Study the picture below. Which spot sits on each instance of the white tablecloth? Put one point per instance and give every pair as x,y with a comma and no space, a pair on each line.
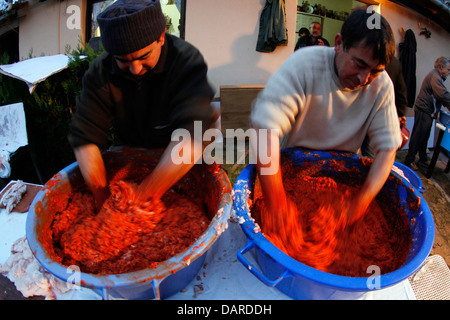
222,277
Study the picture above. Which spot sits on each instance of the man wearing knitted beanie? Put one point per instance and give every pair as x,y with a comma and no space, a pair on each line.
147,83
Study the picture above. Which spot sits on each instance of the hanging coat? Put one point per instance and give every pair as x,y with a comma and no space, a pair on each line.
272,26
408,59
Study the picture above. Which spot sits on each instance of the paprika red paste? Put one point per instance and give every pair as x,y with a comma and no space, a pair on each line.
125,235
313,232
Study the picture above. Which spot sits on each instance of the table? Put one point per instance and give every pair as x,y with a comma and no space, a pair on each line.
436,152
222,277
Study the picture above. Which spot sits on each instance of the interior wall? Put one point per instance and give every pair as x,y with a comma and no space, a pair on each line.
330,26
226,33
341,5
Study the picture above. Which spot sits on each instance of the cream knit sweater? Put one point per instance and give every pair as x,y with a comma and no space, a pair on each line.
305,101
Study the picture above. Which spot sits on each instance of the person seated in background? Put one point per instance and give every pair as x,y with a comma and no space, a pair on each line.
303,32
314,38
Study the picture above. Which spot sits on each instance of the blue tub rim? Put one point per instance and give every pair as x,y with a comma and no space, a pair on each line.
164,269
411,175
292,266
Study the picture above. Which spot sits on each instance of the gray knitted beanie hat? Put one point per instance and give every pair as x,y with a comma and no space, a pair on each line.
127,26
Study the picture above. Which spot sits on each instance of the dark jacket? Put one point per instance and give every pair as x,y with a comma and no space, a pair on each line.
433,94
394,70
272,26
307,41
408,50
144,112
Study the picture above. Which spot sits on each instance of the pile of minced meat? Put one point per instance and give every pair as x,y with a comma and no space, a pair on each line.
313,232
125,235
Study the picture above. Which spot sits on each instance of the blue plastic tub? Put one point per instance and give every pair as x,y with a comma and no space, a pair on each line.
444,117
169,276
299,281
411,176
445,143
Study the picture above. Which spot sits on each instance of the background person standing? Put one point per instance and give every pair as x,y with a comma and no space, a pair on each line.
432,95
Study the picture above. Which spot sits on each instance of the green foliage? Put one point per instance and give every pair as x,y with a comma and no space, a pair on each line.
8,92
49,108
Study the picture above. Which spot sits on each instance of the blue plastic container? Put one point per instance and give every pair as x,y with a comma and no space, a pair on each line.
445,143
299,281
169,276
444,117
411,176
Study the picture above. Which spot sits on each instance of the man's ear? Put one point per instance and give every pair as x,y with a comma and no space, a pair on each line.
162,37
338,43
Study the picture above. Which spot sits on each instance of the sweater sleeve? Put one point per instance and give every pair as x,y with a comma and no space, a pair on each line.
277,106
384,130
192,93
91,121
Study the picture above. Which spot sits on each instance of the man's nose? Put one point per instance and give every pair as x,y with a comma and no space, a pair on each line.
363,77
135,68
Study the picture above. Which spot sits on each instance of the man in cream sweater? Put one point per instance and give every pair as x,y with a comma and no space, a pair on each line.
328,99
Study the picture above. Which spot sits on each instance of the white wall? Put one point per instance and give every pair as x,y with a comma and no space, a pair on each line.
428,50
44,29
226,33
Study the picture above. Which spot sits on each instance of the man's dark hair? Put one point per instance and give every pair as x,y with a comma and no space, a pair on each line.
358,28
303,30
